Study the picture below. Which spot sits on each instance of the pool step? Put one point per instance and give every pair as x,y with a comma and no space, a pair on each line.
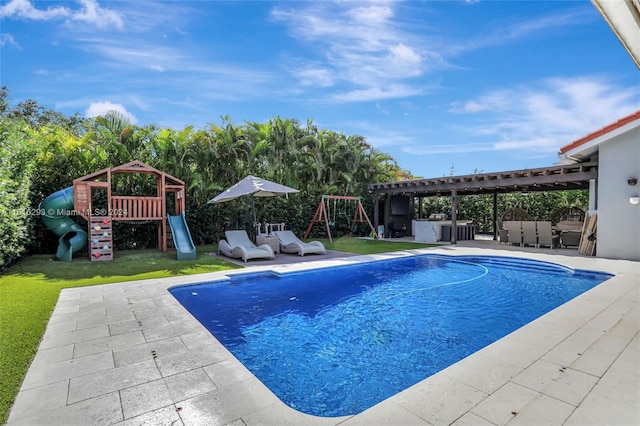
518,264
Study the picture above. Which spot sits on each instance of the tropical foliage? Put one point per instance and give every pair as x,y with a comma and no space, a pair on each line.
479,208
42,151
49,150
16,165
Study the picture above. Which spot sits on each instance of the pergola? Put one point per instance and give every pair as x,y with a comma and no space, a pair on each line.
553,178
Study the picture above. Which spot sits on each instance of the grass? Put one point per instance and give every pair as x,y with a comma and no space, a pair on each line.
30,290
362,246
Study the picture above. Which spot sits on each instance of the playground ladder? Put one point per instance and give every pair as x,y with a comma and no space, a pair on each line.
100,238
169,239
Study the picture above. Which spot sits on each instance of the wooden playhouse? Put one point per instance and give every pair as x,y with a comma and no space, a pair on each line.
172,229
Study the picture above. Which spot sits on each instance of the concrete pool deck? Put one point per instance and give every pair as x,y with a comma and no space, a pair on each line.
130,354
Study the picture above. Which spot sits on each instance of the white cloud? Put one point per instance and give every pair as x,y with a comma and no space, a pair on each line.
363,45
315,77
495,101
370,46
175,66
92,13
89,12
376,93
371,13
527,121
24,9
380,136
452,148
101,108
544,116
8,40
403,61
143,54
382,109
542,143
507,33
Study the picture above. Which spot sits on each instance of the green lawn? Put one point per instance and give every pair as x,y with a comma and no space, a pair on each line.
30,289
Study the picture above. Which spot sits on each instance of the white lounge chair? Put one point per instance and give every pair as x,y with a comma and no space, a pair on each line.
289,243
238,245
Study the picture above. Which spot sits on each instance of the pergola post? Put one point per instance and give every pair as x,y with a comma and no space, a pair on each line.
495,215
387,213
593,194
376,209
454,216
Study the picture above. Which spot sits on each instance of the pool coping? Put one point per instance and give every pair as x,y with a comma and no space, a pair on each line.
129,353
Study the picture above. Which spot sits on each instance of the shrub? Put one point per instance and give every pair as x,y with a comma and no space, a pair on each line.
16,164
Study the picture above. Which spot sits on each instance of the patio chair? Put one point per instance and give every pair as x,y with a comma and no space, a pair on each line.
503,233
529,235
514,231
570,238
545,235
289,243
238,245
570,232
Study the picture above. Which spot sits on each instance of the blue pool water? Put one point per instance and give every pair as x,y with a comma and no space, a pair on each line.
336,341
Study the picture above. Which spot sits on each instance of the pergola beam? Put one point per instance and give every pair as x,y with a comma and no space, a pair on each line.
554,178
543,179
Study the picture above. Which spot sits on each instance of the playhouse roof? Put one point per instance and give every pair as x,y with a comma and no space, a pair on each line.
135,166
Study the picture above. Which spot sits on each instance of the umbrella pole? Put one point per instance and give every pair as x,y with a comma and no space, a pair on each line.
253,206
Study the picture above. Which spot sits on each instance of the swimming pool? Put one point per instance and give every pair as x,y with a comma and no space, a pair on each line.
332,342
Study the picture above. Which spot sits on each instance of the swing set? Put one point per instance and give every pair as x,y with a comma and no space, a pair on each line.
321,215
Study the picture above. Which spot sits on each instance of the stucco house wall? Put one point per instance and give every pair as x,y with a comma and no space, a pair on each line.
619,220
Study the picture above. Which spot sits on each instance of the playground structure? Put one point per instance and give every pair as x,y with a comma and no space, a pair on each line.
78,200
321,216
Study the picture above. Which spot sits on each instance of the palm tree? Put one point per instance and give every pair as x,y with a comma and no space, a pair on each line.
115,132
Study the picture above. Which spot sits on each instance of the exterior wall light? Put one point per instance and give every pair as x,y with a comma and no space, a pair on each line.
632,181
634,199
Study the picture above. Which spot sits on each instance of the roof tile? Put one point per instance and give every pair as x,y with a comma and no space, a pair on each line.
591,136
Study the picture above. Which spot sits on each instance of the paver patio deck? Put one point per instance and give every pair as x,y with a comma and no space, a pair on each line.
130,354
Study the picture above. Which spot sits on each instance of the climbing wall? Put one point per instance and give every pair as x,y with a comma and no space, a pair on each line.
100,238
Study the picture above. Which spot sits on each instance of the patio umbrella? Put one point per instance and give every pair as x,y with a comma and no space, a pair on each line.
255,187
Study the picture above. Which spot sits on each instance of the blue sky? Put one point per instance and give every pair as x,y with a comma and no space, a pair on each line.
442,86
